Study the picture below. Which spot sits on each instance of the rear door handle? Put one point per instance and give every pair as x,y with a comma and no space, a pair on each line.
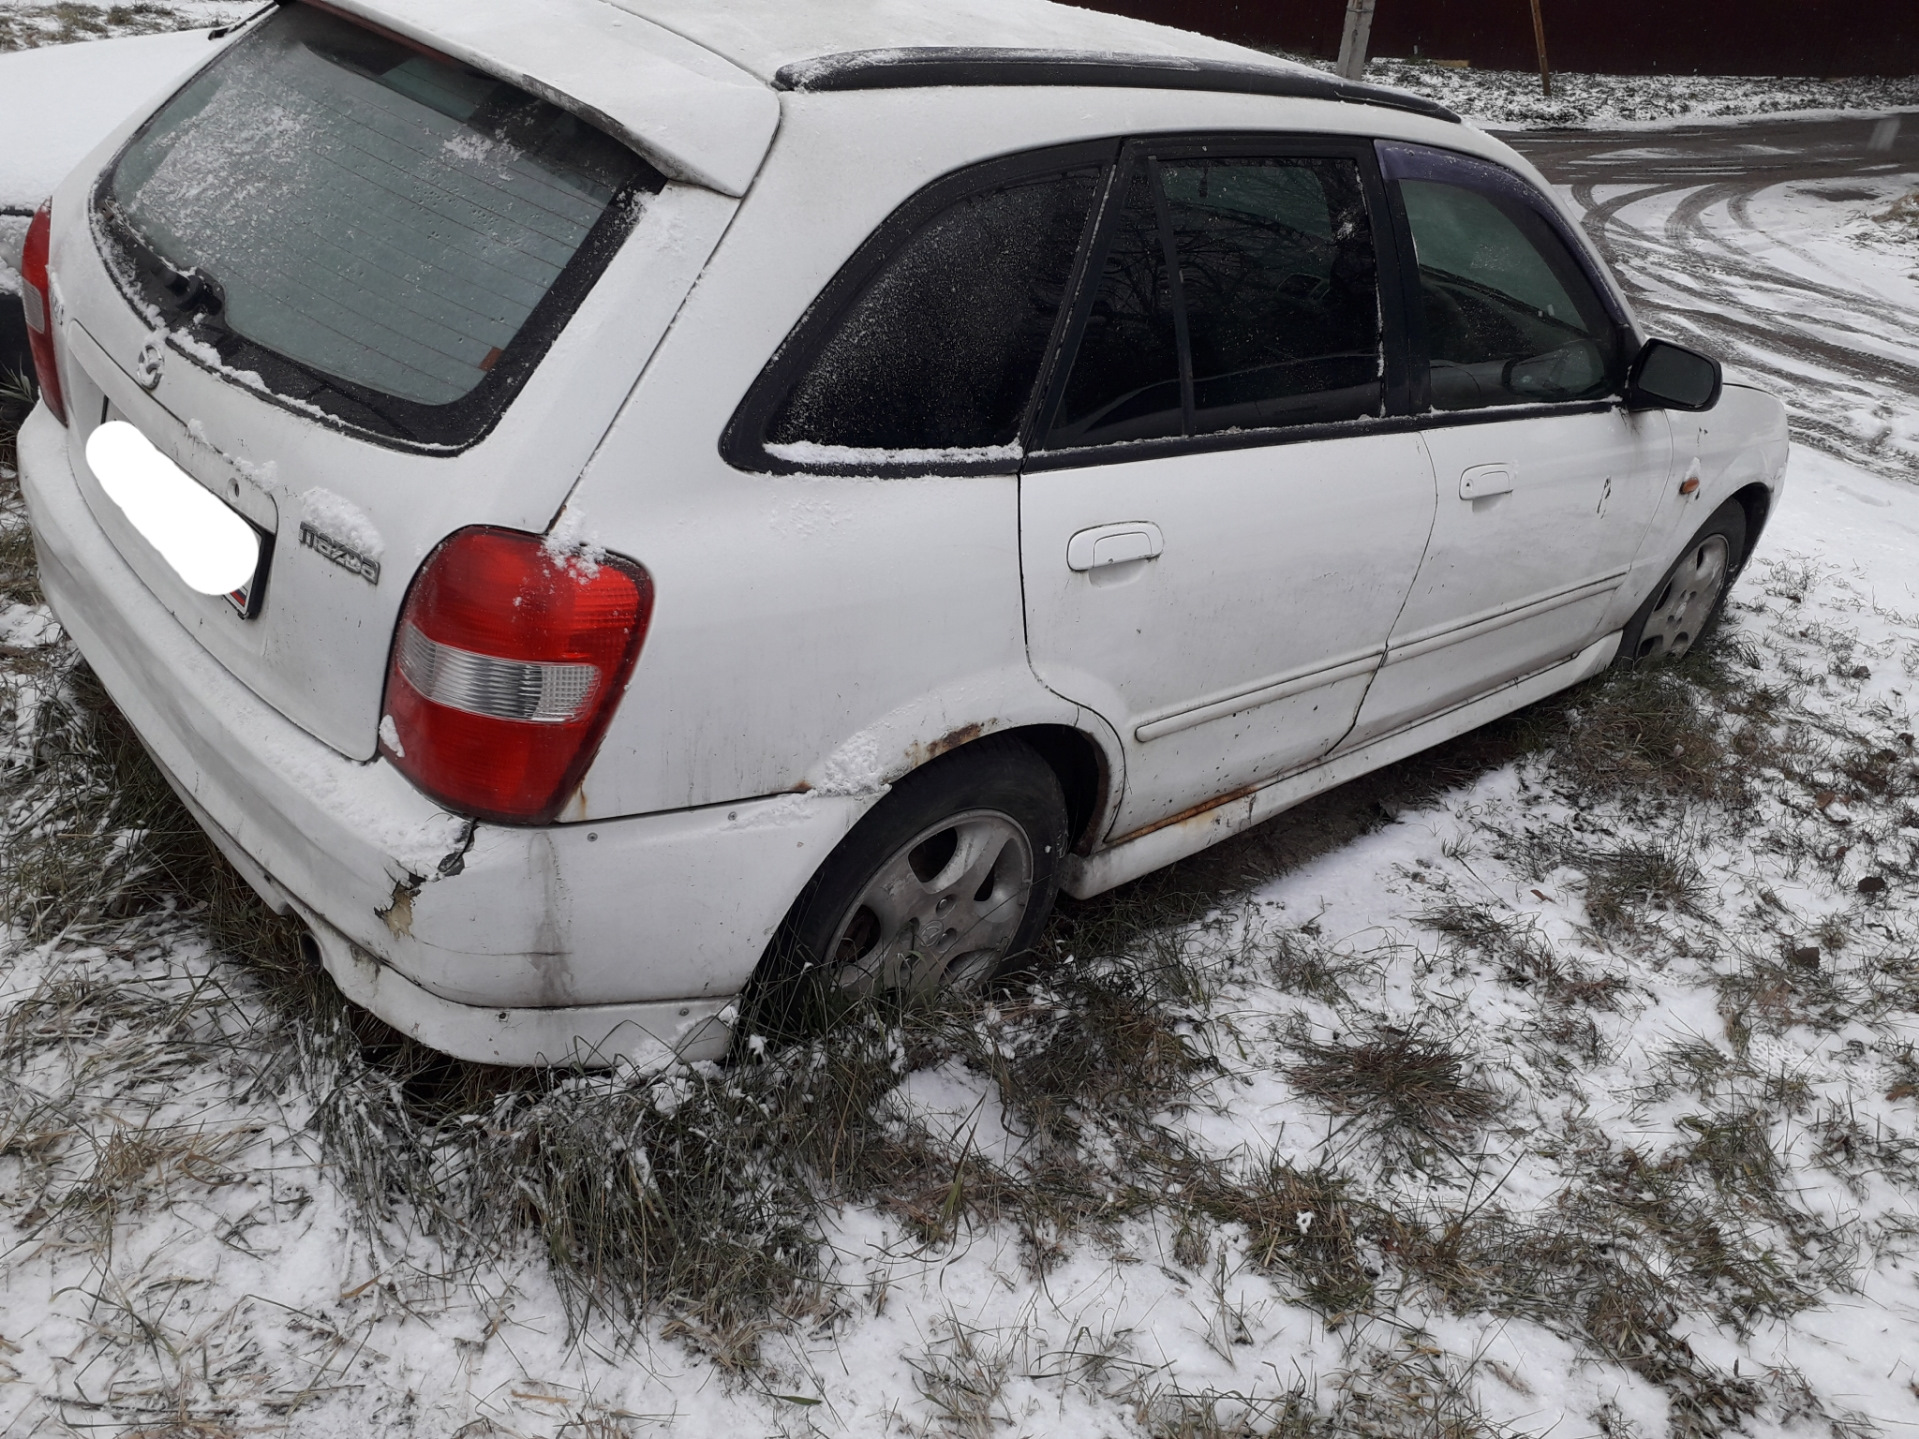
1114,545
1483,480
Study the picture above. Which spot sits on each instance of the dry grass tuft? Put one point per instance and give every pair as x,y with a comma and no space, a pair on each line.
1398,1081
1623,884
23,26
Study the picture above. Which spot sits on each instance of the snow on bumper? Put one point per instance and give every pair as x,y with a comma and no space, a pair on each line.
645,926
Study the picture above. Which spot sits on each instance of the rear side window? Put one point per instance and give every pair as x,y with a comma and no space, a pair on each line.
1510,314
382,233
1238,293
935,356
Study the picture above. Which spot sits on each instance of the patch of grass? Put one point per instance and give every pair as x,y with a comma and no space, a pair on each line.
962,1374
1623,884
1416,1092
1902,216
1688,730
24,26
1523,957
1298,1222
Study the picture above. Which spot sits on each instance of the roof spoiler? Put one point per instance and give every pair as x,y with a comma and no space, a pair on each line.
693,114
920,67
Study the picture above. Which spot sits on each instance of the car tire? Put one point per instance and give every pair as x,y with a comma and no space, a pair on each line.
942,887
1683,605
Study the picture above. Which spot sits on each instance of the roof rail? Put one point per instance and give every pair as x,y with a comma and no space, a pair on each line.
922,66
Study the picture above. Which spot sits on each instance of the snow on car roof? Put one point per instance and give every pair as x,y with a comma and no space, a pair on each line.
690,83
764,36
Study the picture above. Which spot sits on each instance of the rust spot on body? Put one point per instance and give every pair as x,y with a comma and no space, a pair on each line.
1186,815
926,750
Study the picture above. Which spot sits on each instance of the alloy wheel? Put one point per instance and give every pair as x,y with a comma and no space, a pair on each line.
1690,595
940,913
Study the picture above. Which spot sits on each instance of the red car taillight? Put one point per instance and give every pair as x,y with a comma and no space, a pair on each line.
507,664
36,296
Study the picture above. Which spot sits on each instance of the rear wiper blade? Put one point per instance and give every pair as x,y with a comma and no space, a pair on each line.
193,290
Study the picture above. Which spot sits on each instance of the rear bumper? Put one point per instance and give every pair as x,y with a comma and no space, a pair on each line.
619,937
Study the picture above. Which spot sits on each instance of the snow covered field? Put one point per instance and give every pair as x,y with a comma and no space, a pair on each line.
1577,1093
25,24
1512,99
1788,248
1564,1081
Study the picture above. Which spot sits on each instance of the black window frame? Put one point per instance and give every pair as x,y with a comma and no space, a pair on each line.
743,441
1152,150
1420,347
142,277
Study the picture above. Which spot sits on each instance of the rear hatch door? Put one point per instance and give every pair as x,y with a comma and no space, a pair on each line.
366,294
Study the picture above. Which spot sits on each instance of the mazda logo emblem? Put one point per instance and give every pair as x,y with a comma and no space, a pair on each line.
146,369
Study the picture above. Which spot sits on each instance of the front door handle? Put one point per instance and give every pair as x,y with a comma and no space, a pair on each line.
1483,480
1114,545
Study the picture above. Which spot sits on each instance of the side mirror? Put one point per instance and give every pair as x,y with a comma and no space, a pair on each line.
1665,376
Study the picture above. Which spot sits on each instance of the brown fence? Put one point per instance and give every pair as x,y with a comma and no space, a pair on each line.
1620,37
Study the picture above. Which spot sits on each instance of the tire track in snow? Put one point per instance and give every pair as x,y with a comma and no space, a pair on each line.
1844,359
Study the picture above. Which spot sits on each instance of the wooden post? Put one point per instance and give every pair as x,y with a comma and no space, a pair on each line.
1353,39
1539,39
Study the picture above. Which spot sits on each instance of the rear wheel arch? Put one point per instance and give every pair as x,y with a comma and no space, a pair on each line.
1085,776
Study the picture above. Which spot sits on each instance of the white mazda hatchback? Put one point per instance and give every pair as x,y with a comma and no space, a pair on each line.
611,507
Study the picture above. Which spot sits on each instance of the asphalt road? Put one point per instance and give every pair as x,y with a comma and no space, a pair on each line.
1674,212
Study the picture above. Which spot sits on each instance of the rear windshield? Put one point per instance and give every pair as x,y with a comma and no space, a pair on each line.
377,231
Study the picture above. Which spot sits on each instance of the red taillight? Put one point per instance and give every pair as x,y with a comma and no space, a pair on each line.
36,296
507,664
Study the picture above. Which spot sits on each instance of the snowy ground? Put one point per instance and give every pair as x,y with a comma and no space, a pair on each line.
1566,1081
25,24
1559,1103
1513,99
1788,247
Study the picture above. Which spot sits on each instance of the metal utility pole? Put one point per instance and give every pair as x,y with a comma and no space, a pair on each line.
1539,39
1352,40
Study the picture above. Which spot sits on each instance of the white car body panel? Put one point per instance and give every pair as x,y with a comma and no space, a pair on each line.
1233,814
489,917
764,35
1242,650
814,637
318,651
835,570
1524,577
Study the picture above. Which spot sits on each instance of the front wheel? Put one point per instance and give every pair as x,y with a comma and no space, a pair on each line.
943,886
1685,601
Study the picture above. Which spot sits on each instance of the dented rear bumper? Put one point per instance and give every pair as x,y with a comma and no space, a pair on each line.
500,944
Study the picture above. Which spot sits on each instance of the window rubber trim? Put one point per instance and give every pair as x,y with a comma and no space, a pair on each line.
743,441
1279,145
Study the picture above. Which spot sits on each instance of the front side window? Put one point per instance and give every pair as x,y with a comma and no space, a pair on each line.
935,356
387,235
1510,314
1282,297
1237,294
